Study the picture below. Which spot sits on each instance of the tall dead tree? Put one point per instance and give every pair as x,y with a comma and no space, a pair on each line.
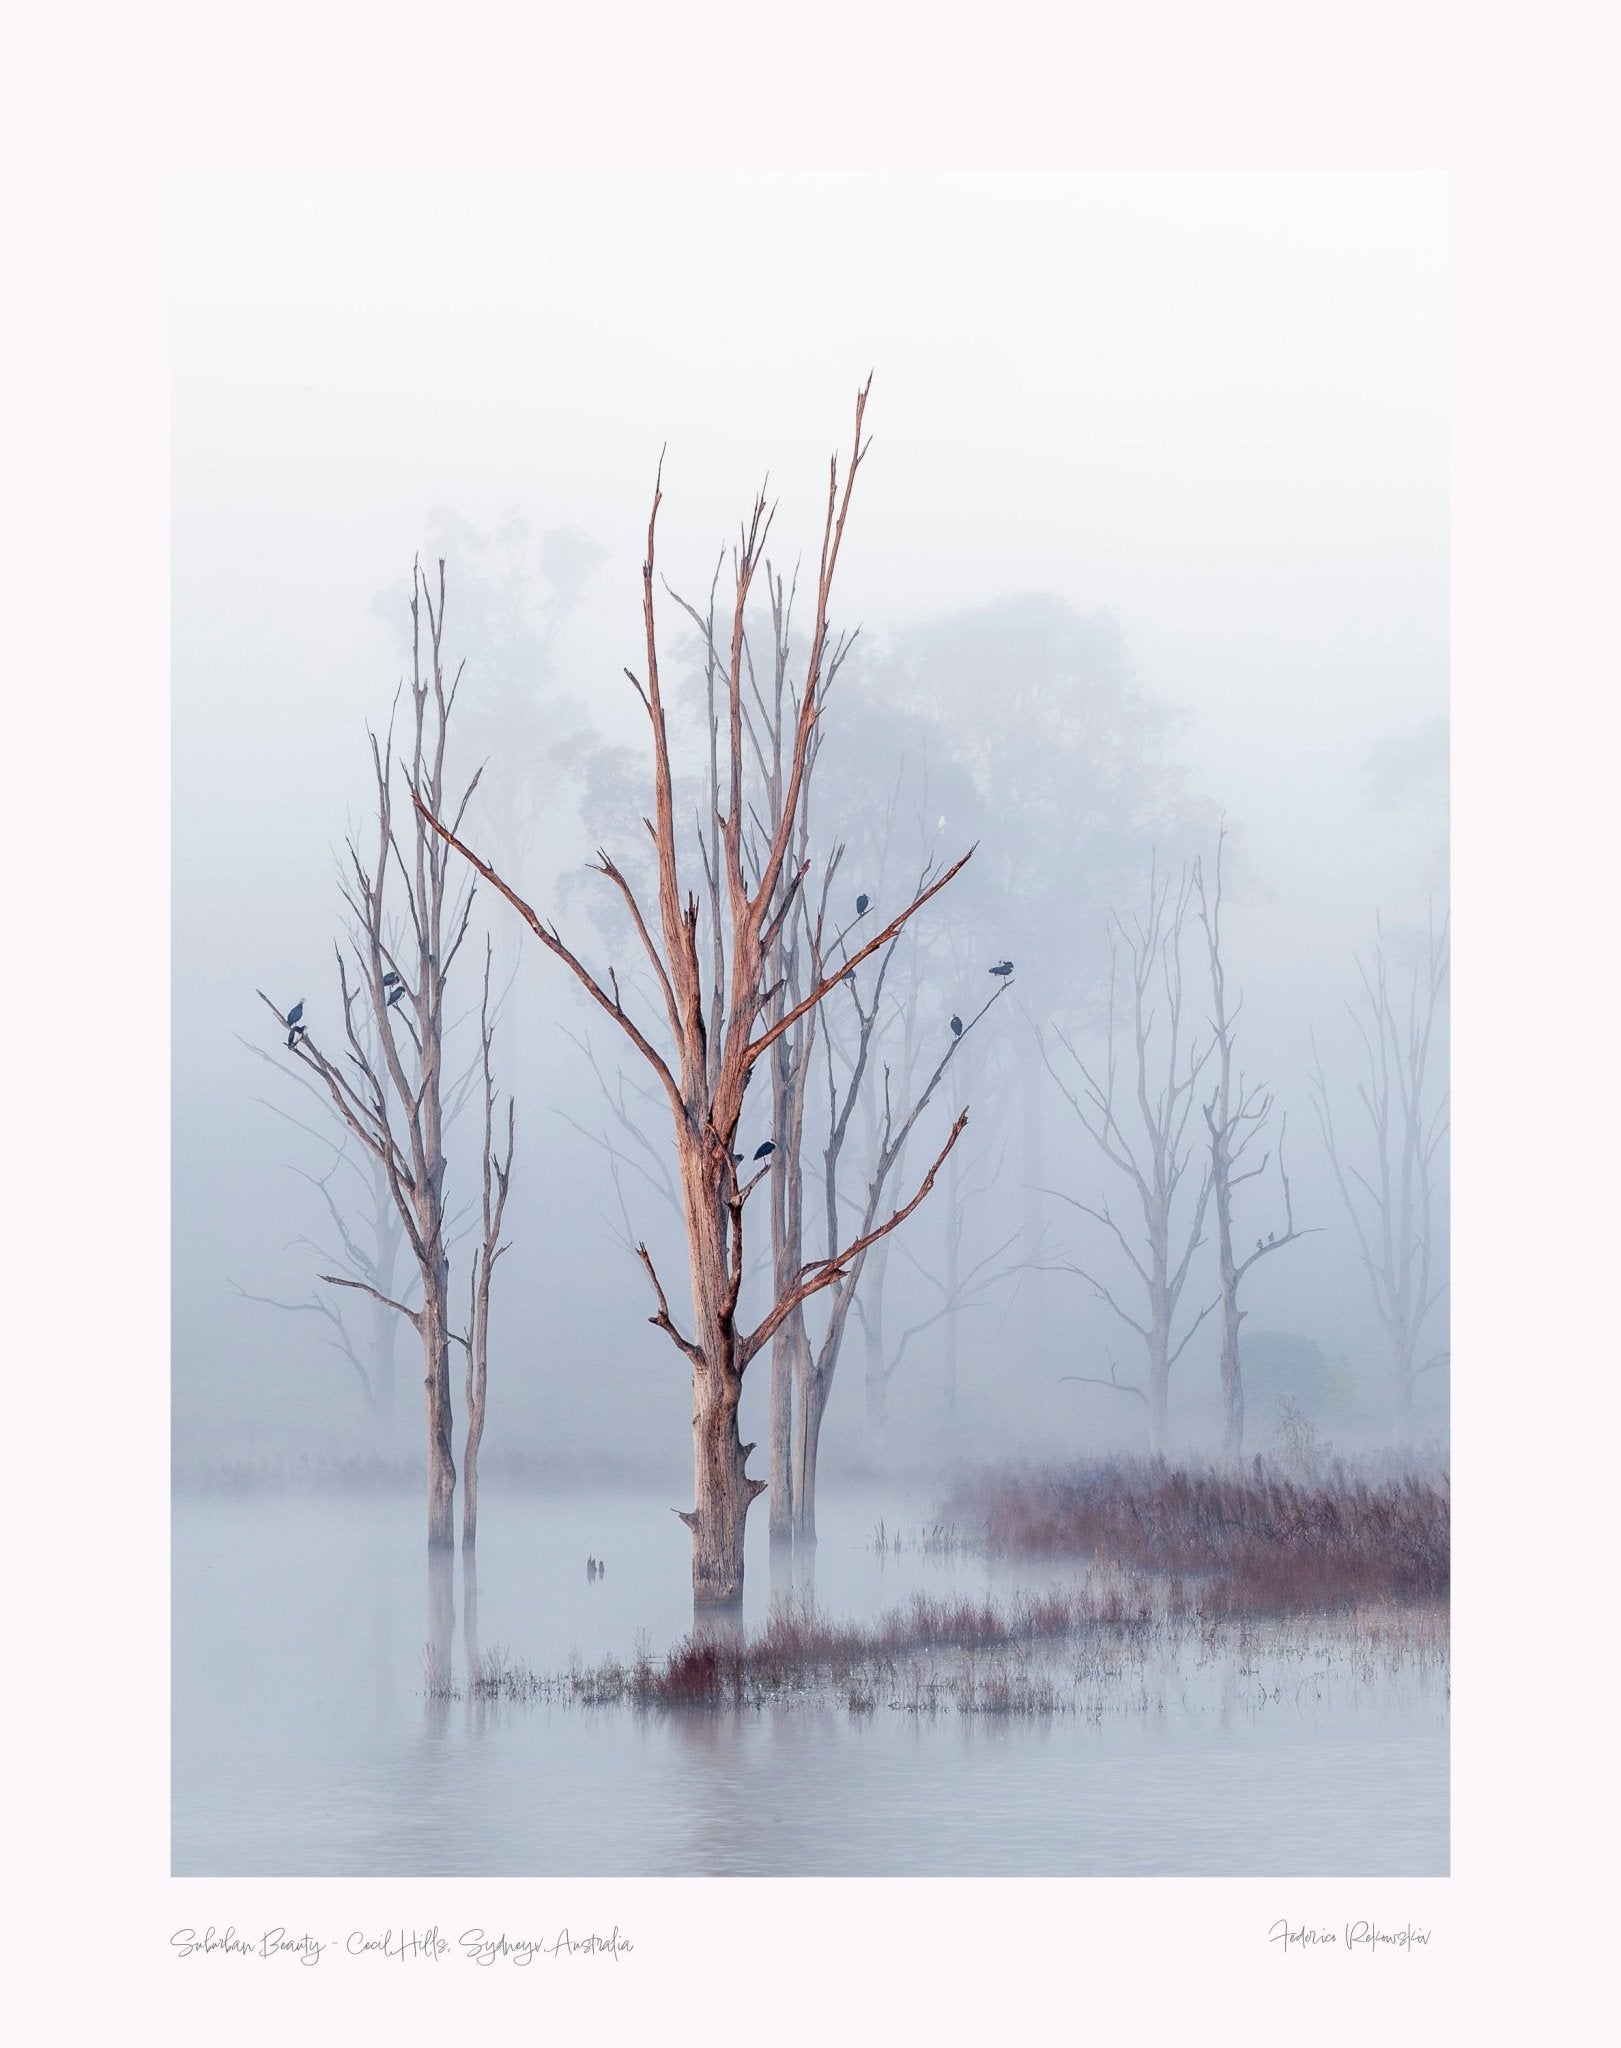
1236,1116
896,1119
771,714
496,1174
1141,1128
714,980
1387,1166
386,1083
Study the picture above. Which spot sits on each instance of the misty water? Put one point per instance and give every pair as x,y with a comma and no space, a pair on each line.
307,1741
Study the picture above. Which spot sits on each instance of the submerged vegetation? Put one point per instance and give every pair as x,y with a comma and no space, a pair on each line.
1055,1654
1178,1569
1257,1542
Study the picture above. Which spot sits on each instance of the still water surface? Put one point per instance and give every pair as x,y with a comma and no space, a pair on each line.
305,1742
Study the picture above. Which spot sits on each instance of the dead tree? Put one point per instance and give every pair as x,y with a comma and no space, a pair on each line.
366,1241
960,1287
770,716
1236,1116
386,1083
896,1121
1387,1169
713,976
496,1174
1146,1139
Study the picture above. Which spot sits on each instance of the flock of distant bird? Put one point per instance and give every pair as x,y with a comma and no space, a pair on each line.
396,991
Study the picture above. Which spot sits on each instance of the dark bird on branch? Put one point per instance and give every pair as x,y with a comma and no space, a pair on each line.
295,1035
764,1151
861,905
1003,968
390,978
1271,1236
1257,1244
394,995
956,1027
295,1013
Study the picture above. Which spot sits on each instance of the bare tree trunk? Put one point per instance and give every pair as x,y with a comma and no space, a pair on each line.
387,1240
496,1174
877,1371
793,1356
782,1421
717,999
1159,1383
1235,1116
954,1221
722,1489
441,1644
440,1418
787,1256
813,1391
1232,1376
475,1435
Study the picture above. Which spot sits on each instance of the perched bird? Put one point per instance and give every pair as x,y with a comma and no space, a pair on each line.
390,978
295,1013
764,1151
1257,1244
1004,968
1271,1236
956,1027
394,994
861,905
295,1035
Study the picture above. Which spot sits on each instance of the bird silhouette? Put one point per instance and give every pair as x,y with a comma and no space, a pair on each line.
956,1027
861,905
295,1013
390,978
295,1035
1271,1236
1257,1244
1003,968
394,995
764,1151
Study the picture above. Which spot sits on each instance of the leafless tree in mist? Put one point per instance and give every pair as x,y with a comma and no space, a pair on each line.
1386,1157
711,962
1139,1122
387,1083
1236,1116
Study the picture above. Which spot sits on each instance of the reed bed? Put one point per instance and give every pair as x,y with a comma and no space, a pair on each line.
1251,1543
